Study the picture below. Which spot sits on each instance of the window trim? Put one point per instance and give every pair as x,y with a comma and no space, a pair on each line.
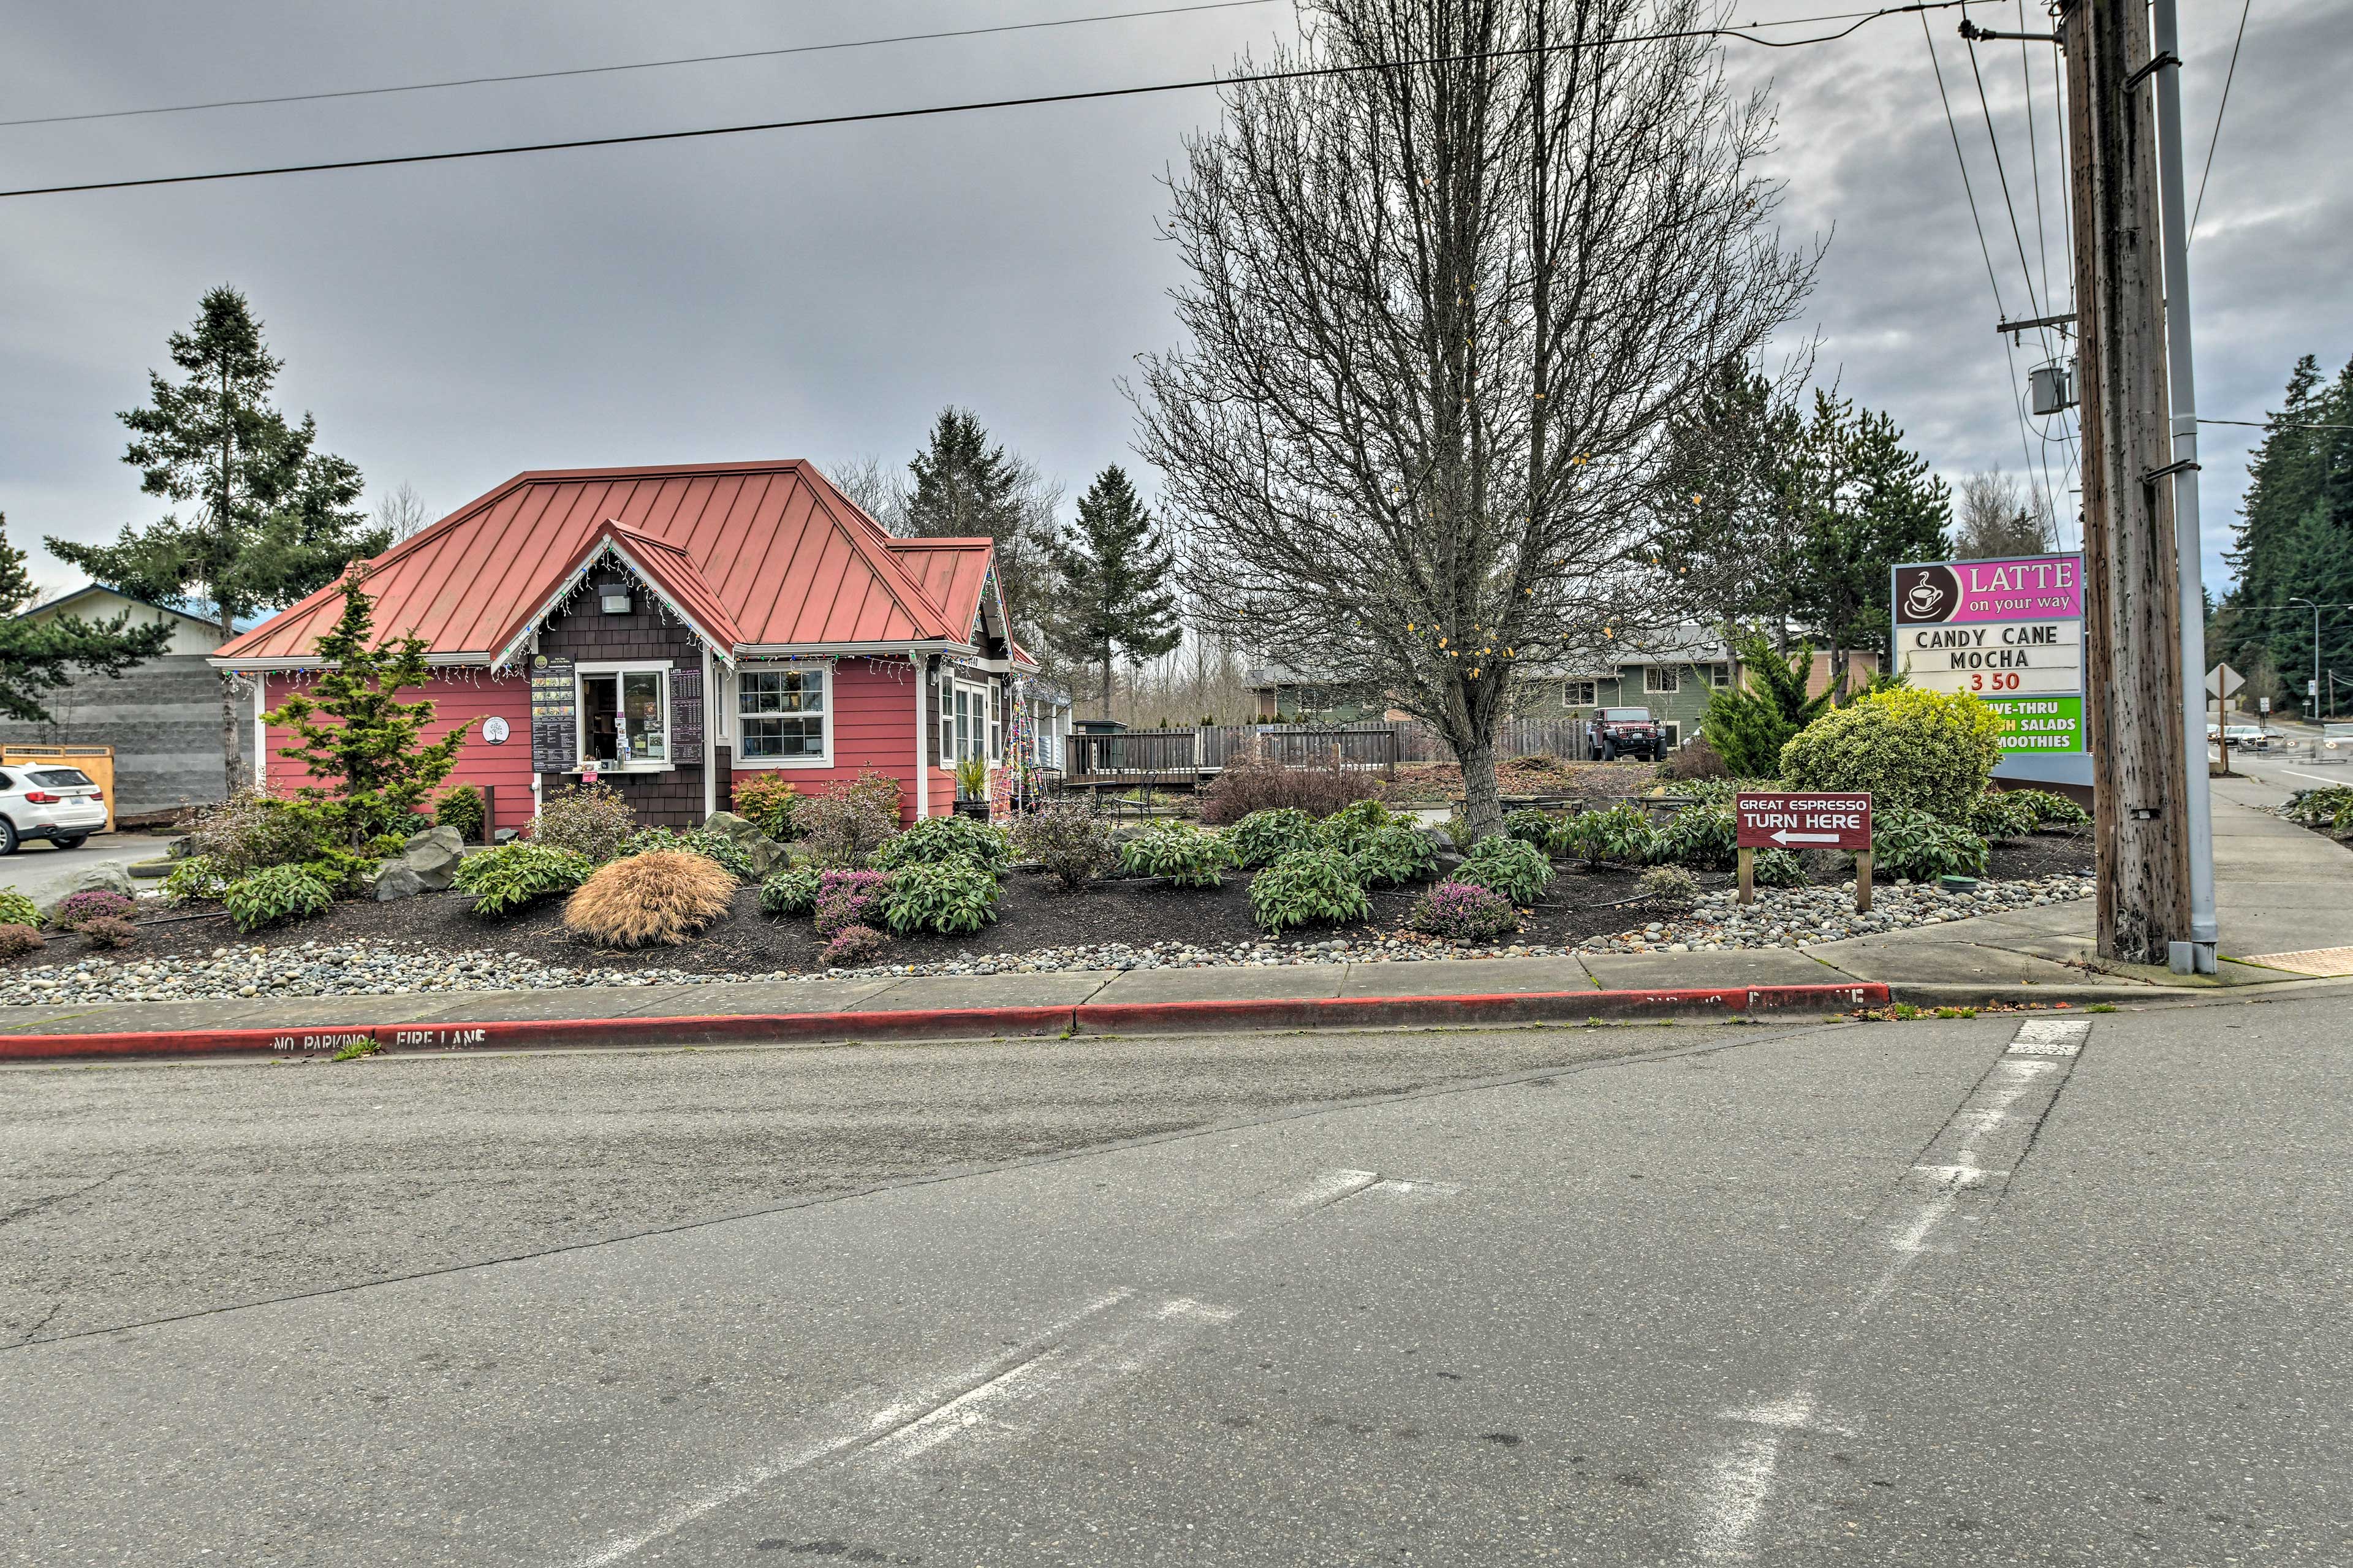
1592,685
1661,680
617,668
735,714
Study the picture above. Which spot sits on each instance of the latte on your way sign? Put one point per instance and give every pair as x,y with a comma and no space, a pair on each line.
2009,633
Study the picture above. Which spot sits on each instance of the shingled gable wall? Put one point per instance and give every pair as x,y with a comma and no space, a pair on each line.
584,634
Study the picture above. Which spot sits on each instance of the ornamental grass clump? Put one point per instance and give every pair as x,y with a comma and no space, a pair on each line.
938,839
1464,912
1265,836
947,898
1308,887
791,892
587,819
77,909
845,898
661,898
1517,871
515,876
275,895
1179,851
1073,844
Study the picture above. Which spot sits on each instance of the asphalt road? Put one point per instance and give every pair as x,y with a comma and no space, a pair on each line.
40,870
1925,1293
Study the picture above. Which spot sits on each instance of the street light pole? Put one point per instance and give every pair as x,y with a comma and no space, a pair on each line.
2314,696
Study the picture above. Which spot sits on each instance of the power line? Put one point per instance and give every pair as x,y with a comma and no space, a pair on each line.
868,117
2212,141
629,65
2268,425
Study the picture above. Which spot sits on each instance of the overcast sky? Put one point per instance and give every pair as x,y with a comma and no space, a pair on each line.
822,293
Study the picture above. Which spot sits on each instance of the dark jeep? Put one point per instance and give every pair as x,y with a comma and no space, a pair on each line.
1630,733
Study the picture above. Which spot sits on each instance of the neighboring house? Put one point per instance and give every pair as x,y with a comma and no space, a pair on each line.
677,630
163,718
1674,677
1046,708
1280,692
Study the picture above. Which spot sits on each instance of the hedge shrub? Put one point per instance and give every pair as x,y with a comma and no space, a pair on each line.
1778,869
1073,844
275,894
1308,887
1399,853
1265,836
709,843
1517,871
949,898
2053,810
461,808
1530,825
1179,851
1622,834
850,820
1351,828
516,875
587,819
1669,887
2000,813
1911,750
1243,787
791,892
1914,843
769,802
1702,837
936,840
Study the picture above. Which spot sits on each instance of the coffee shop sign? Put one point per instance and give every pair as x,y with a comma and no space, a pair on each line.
2041,586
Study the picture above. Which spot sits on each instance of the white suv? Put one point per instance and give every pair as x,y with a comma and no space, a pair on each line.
60,804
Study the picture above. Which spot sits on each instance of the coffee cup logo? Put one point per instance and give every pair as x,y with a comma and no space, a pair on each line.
1927,594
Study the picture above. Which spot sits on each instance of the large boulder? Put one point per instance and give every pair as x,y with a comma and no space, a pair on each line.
394,879
109,879
742,829
767,855
433,855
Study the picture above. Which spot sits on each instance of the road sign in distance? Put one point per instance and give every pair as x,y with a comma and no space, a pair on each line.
2223,681
1792,820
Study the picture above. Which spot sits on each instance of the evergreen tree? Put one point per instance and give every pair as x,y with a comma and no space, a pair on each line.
355,734
1868,503
1723,512
273,517
2295,538
1748,728
38,658
966,488
1112,590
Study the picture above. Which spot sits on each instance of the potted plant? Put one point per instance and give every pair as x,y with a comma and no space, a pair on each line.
972,787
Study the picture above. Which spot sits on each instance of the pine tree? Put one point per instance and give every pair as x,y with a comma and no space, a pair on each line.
38,658
1112,590
355,734
1748,728
1723,511
966,488
1870,503
2296,537
274,517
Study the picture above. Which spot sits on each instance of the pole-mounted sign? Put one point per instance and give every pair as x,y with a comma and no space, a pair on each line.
2011,633
1791,819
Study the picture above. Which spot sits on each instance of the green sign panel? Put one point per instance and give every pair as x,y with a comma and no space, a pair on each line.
2030,725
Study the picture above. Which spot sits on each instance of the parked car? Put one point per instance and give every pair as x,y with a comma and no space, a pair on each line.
2337,737
60,804
1630,732
2248,737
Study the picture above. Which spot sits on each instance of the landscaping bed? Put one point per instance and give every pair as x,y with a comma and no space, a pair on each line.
1441,784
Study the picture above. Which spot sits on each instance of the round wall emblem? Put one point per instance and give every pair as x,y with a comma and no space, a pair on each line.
1927,594
494,730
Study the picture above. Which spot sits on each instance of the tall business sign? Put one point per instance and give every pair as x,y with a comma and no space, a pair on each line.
2011,634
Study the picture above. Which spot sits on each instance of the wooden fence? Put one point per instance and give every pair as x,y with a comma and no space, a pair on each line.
1175,755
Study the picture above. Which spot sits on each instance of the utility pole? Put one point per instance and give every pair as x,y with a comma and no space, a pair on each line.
2134,704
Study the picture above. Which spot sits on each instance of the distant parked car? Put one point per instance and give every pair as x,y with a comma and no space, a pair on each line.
2337,737
1630,732
60,804
2249,737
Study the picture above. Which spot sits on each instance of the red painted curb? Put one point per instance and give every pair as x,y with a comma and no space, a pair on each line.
951,1023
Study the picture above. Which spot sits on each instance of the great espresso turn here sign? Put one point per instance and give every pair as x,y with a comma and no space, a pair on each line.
1790,820
2009,632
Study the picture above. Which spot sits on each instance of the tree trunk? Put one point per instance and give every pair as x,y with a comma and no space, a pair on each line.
1483,805
232,760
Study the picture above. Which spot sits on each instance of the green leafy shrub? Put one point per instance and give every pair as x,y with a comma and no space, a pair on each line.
587,819
16,941
1669,887
854,947
2055,810
936,840
1351,828
17,909
951,898
1265,836
791,892
1073,844
77,909
1702,837
1748,724
339,871
109,930
850,819
1778,869
1622,834
1308,887
1518,871
1464,911
708,842
1530,825
770,802
1914,843
250,830
461,808
1179,851
197,879
275,894
664,896
1911,750
2329,809
2000,813
1397,854
516,875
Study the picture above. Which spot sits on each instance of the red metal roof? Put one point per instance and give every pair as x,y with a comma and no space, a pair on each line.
764,555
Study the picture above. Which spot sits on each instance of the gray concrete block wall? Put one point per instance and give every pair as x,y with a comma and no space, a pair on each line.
162,718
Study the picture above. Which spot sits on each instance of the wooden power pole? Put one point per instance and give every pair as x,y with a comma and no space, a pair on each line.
2133,703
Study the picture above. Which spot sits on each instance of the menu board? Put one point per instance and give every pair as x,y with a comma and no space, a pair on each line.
554,715
2009,632
685,716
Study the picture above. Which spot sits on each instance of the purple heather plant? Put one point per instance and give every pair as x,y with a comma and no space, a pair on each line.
845,898
1464,911
853,946
77,909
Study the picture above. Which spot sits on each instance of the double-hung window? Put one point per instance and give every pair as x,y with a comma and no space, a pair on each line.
1579,693
780,715
623,712
1663,678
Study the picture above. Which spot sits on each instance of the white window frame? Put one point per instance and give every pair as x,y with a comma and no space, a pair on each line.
1590,686
1674,733
616,668
976,717
947,758
735,714
1719,675
1661,680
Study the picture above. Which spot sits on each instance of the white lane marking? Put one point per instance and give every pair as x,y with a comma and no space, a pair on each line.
2049,1036
842,1427
1742,1476
1329,1188
2315,778
1402,1189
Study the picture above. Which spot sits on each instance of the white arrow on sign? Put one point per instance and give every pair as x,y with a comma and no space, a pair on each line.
1783,836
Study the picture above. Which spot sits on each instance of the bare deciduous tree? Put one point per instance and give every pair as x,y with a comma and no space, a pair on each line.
1999,518
1441,305
878,486
401,511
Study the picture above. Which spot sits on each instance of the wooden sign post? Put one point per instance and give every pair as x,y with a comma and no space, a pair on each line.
1789,820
